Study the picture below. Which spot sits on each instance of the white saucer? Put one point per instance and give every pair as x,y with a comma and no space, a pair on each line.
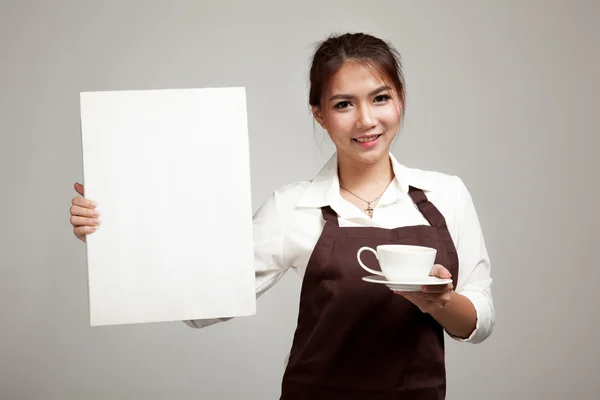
408,284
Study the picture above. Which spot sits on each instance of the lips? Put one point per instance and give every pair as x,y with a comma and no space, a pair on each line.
366,139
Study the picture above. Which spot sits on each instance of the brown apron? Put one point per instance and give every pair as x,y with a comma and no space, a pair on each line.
359,340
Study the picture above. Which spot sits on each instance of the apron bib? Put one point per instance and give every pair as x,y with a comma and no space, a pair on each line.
358,340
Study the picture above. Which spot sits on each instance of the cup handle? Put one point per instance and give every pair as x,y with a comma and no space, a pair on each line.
363,265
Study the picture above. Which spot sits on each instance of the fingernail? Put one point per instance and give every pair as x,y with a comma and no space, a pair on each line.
96,222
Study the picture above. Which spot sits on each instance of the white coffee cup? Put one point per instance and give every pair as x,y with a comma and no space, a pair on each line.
400,262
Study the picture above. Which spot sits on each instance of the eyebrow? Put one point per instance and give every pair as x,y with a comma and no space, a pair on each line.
349,96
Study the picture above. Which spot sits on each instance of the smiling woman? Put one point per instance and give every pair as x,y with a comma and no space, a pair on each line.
359,110
355,338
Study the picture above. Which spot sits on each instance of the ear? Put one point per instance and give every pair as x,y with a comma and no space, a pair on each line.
318,115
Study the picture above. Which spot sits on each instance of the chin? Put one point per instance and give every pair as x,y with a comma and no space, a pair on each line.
372,157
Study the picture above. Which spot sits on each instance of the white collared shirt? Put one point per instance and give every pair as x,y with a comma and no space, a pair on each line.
288,225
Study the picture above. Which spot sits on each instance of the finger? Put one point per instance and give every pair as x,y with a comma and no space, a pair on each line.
436,288
83,202
79,188
82,221
440,272
78,211
428,299
437,299
413,297
81,231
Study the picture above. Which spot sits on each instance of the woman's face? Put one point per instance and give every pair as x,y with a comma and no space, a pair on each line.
360,112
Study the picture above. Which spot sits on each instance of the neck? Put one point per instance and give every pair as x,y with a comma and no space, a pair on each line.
365,179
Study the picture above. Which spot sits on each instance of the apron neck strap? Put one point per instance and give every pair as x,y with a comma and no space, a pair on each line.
329,215
429,211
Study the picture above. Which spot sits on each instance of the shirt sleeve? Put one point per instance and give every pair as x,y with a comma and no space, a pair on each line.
269,264
475,280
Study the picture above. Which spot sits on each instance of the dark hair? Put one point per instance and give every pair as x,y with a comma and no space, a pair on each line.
362,48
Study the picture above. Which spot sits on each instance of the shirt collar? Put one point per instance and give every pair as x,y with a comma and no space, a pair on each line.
324,189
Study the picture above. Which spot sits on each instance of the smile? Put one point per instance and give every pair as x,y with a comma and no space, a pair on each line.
367,139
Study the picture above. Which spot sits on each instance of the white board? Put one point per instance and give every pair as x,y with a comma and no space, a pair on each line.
170,172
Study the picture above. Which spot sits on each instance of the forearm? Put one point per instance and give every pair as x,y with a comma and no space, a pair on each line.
458,317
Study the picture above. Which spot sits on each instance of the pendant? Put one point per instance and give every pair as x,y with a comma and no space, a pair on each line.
369,210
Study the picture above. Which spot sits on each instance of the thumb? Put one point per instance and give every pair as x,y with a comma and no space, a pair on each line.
441,272
79,188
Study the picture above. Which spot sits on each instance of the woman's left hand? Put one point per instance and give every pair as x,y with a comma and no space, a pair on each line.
432,297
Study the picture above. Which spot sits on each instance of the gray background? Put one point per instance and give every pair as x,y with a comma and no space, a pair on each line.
503,94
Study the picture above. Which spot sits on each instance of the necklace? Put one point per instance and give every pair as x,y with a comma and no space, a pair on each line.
369,209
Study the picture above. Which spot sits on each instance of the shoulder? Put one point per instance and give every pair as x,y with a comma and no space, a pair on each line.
283,199
435,183
288,195
447,192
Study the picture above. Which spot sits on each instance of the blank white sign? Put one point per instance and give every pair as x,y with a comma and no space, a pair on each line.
170,172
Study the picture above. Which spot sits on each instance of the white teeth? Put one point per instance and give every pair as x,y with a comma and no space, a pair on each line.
369,139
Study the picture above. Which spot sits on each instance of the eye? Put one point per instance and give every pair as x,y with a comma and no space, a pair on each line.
382,98
342,104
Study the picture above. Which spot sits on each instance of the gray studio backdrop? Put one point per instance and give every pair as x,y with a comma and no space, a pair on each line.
503,94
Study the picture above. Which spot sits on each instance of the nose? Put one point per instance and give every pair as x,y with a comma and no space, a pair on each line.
365,119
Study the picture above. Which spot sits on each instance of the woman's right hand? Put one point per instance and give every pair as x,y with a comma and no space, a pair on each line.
84,216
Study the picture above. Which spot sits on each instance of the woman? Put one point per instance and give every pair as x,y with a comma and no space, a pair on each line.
358,340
